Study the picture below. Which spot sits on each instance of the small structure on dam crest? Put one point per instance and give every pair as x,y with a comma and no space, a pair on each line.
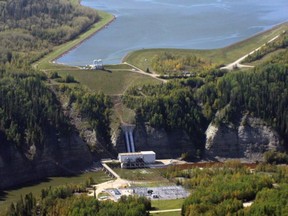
136,159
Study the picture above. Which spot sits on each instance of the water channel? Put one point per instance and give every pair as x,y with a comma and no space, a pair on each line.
189,24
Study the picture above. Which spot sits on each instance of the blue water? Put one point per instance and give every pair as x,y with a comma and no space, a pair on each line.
189,24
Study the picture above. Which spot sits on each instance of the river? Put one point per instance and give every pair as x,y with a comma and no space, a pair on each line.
188,24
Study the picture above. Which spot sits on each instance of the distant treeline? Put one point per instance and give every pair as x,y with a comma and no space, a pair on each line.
30,28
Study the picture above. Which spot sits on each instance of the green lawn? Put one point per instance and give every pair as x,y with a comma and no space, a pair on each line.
109,82
14,194
151,177
143,58
167,204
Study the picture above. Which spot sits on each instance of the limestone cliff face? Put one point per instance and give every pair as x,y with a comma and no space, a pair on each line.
164,144
57,156
249,139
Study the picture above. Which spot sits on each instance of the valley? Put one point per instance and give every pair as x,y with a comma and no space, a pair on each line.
211,122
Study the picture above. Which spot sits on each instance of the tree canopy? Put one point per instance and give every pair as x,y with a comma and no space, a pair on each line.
29,28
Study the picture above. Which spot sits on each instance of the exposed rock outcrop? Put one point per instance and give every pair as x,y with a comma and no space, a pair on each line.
164,144
88,134
57,156
249,138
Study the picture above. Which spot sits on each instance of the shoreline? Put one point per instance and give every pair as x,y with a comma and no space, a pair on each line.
82,41
52,57
224,55
58,51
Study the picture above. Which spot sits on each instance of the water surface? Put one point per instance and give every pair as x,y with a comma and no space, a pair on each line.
189,24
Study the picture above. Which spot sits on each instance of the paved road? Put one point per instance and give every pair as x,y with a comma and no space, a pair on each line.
110,170
118,183
237,63
162,211
138,70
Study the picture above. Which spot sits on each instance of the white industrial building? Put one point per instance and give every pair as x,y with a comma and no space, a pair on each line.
136,159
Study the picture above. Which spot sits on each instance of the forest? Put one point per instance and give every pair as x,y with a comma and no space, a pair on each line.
171,66
262,91
229,188
27,110
224,189
192,103
280,43
63,200
170,106
29,29
93,107
31,109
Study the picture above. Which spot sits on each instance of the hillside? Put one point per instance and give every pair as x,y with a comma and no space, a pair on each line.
29,29
52,122
220,97
40,133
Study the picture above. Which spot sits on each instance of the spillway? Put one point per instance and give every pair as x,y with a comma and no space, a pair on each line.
129,139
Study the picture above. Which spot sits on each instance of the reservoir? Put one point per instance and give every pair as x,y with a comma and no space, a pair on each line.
187,24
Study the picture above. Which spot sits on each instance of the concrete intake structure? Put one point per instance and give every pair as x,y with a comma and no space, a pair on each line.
128,132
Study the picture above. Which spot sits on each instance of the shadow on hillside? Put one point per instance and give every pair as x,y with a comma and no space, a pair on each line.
3,195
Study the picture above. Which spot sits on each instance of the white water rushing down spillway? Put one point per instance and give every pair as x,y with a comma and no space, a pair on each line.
189,24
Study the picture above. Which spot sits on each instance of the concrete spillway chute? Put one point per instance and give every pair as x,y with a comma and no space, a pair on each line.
129,139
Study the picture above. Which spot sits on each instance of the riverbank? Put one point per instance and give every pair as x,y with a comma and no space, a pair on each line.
58,51
143,58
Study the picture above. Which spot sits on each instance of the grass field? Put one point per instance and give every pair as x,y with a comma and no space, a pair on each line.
14,194
167,204
110,82
143,58
151,176
167,214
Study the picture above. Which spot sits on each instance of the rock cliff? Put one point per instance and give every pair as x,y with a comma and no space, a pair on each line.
58,155
165,144
249,138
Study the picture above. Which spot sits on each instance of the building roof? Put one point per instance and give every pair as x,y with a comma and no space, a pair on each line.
129,153
147,152
137,153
